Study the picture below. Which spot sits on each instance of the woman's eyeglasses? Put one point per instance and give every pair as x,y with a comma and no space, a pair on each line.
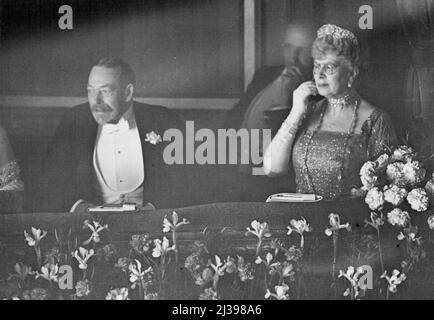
327,68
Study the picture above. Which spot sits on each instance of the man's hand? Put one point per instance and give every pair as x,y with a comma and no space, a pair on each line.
292,72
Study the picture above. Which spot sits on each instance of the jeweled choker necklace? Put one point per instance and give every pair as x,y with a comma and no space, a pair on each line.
341,101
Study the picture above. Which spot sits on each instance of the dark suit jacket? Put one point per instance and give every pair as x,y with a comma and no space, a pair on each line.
262,78
258,188
68,173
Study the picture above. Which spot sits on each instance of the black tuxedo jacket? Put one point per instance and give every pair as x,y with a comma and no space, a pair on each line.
68,173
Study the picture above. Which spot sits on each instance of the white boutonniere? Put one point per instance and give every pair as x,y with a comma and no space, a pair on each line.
153,138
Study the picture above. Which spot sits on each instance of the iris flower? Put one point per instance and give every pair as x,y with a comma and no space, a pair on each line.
136,272
117,294
376,220
38,234
84,256
96,228
352,275
175,224
335,223
394,280
49,272
161,247
260,230
281,292
299,226
218,267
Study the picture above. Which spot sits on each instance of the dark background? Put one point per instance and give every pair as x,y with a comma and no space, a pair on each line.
178,48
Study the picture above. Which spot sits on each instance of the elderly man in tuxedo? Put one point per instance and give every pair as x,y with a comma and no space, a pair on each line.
110,149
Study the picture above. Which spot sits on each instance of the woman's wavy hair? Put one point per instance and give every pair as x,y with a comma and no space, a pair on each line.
345,47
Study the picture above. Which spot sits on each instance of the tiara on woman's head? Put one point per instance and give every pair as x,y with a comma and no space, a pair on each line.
336,32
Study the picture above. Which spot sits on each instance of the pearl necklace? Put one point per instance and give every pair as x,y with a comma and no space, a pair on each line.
347,99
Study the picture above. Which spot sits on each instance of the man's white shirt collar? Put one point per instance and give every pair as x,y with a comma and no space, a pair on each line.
125,122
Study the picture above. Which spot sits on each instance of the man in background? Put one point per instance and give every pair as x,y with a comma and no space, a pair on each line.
268,100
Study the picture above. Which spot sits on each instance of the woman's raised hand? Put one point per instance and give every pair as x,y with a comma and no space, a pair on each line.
300,98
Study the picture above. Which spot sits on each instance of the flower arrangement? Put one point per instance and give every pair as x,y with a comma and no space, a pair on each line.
274,265
397,188
396,179
149,268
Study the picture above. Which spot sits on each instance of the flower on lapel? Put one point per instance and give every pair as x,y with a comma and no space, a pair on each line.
153,138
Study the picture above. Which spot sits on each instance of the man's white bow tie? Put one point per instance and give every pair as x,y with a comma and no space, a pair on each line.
121,126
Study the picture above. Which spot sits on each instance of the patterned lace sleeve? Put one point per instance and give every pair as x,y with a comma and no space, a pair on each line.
10,178
382,134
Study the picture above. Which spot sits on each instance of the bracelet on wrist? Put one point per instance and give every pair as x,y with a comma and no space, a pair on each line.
289,127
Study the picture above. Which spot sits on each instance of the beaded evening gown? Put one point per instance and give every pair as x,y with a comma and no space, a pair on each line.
319,170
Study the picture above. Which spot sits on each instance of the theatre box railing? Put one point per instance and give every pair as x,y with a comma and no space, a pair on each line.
216,251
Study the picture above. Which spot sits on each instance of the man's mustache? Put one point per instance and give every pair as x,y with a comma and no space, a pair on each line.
101,107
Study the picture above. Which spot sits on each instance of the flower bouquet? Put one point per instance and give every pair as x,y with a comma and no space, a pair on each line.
397,189
397,179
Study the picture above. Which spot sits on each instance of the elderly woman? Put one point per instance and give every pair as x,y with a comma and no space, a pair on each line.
329,141
9,170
